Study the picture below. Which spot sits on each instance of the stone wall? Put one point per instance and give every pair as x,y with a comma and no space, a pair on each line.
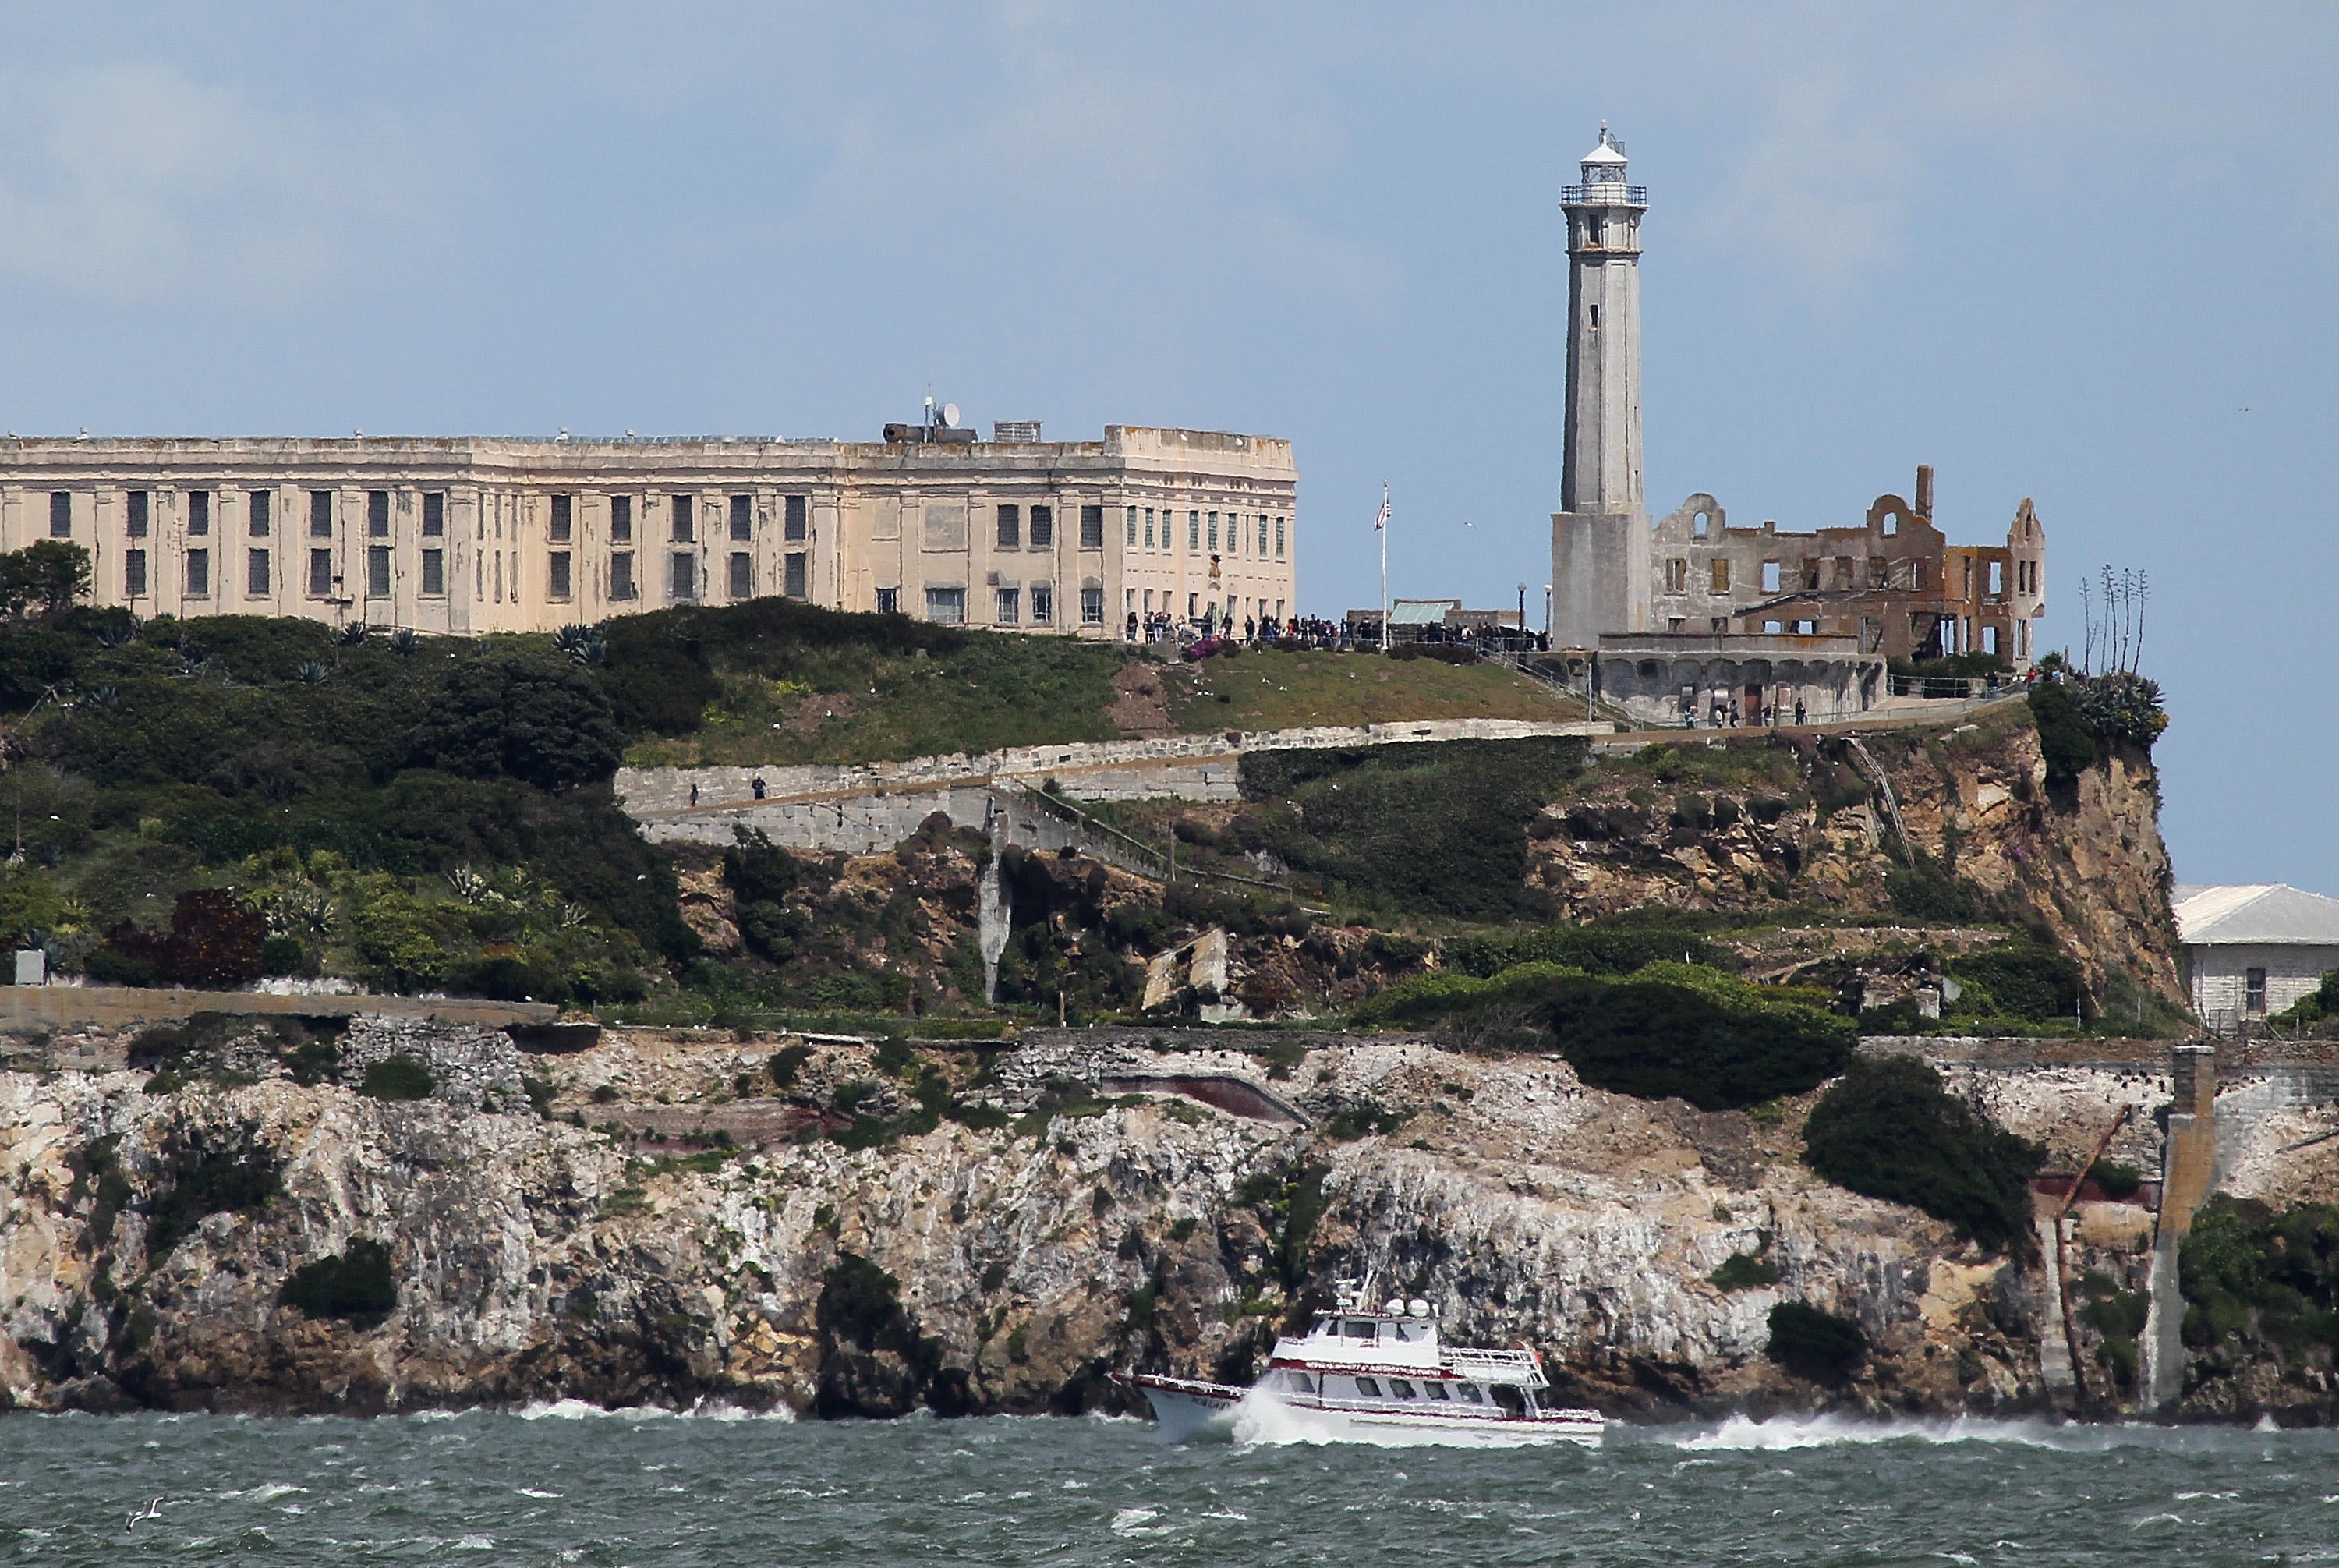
474,1068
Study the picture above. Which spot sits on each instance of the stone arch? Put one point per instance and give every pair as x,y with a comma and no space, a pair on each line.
1699,507
1887,513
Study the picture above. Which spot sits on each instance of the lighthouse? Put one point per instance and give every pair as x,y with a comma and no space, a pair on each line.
1600,536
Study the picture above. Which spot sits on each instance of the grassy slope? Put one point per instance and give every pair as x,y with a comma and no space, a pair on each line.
1273,691
854,704
849,705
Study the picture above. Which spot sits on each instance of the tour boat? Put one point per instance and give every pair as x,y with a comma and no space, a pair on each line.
1367,1376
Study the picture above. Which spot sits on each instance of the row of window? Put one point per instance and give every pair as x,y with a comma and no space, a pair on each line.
1881,574
1255,609
947,605
682,512
1436,1393
560,574
1247,534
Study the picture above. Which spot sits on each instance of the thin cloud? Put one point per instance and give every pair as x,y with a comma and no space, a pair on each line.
135,183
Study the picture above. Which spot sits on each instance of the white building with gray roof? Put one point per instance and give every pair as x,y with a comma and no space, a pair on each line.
2250,950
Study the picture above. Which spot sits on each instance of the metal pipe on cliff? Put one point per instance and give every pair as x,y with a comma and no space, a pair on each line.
2062,1267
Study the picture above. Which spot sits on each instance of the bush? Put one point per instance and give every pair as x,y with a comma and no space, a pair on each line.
1744,1271
1815,1345
2251,1273
398,1077
1889,1130
281,955
2026,980
542,721
1618,945
1658,1040
355,1286
2065,739
859,1302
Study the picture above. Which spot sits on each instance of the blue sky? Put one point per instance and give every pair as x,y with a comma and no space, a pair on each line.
2080,254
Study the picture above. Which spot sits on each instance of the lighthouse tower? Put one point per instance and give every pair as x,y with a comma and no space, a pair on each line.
1600,537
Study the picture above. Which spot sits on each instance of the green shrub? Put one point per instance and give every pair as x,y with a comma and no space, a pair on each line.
2251,1272
1657,1041
859,1302
2065,739
1815,1345
356,1286
786,1064
2117,1180
1744,1271
398,1077
1617,945
2025,979
1889,1130
281,955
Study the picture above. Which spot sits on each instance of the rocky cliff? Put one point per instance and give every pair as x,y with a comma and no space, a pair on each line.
968,1232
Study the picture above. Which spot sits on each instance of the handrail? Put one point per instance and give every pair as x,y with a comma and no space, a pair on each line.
1581,196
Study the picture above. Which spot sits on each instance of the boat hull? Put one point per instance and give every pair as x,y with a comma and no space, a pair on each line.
1186,1411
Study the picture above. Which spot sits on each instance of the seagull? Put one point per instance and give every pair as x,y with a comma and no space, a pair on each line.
154,1511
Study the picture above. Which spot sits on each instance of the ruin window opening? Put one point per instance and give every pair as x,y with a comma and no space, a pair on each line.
1677,576
1596,310
1699,524
1770,577
621,575
1721,574
1997,579
742,575
1892,523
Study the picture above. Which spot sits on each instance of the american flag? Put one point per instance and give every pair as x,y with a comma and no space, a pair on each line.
1381,521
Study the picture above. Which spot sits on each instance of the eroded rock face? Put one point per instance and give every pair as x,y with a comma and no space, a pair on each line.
1795,822
974,1270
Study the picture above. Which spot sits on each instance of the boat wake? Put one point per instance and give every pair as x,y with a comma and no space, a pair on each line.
1744,1434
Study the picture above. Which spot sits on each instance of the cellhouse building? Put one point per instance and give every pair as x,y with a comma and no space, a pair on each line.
466,535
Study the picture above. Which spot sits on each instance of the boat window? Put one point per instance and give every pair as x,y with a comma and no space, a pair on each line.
1435,1391
1512,1400
1369,1388
1359,1328
1398,1329
1400,1389
1469,1393
1302,1382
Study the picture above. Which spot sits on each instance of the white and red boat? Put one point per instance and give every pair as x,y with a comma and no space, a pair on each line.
1361,1375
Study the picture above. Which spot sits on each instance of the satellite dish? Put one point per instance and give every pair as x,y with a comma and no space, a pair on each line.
950,413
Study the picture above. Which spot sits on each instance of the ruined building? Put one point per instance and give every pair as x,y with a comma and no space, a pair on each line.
468,534
1689,614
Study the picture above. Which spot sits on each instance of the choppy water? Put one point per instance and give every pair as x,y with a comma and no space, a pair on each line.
566,1486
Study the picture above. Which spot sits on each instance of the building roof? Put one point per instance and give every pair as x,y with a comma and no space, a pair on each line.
1607,153
2258,913
1421,612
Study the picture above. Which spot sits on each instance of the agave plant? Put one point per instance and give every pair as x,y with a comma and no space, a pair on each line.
583,645
405,640
311,672
103,696
301,911
468,885
353,634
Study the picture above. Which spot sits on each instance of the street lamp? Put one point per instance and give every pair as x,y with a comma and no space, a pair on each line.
1546,615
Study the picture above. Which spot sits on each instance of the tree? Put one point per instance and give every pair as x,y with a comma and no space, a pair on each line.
1889,1130
515,716
53,573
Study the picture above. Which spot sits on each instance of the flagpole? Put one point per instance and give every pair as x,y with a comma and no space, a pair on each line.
1381,526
